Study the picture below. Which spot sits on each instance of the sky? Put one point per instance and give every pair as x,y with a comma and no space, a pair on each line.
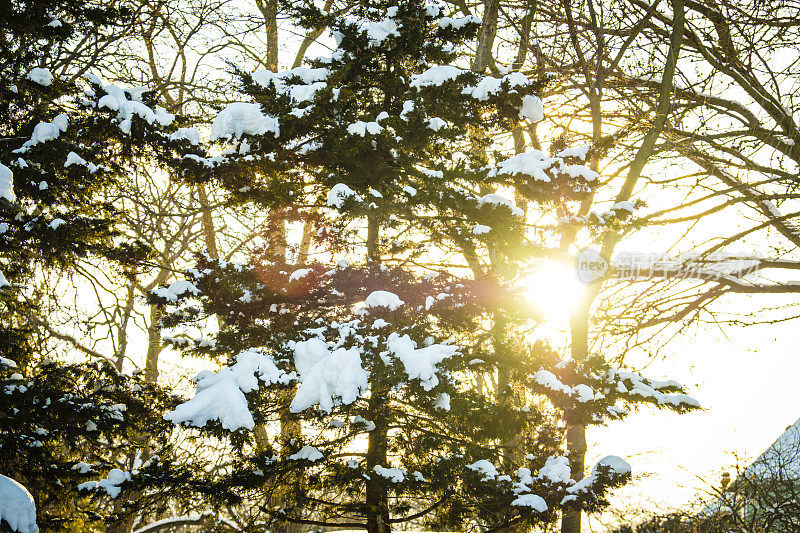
747,385
746,380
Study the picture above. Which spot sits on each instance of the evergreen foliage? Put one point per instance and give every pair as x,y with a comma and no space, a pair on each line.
375,361
61,143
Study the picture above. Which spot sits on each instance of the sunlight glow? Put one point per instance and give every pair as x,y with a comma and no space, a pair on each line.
553,289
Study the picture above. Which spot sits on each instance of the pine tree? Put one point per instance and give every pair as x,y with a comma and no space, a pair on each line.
64,425
378,358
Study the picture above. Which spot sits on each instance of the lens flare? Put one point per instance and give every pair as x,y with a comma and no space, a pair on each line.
552,289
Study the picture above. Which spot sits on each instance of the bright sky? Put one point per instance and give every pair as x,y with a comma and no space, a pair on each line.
747,384
744,377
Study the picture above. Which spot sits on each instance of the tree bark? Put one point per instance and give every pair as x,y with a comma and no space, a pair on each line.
269,10
576,433
122,328
373,239
305,242
483,50
377,447
207,222
153,343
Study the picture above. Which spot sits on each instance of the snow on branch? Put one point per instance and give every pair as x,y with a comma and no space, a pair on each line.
17,507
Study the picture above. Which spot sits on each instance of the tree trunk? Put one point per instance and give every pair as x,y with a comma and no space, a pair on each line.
483,51
207,223
122,328
373,239
576,433
276,236
153,343
305,242
377,492
269,11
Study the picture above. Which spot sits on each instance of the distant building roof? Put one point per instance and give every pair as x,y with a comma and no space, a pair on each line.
782,459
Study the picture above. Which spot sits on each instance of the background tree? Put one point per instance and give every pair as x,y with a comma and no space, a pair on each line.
63,143
617,87
760,496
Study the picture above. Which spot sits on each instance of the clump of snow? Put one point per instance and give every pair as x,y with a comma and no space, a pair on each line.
395,475
383,299
188,134
74,159
532,163
45,131
338,194
175,290
431,173
327,375
436,76
442,402
56,223
484,467
624,206
408,107
580,171
307,453
82,467
112,484
311,81
419,363
556,470
241,118
531,108
42,76
616,465
646,388
378,32
497,199
457,23
17,507
436,123
7,183
220,395
369,425
305,74
533,501
432,10
480,229
582,393
487,86
361,128
299,274
579,152
115,99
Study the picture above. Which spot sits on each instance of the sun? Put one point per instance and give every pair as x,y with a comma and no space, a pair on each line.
553,289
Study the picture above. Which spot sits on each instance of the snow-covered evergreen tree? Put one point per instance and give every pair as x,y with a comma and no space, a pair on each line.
374,358
63,425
